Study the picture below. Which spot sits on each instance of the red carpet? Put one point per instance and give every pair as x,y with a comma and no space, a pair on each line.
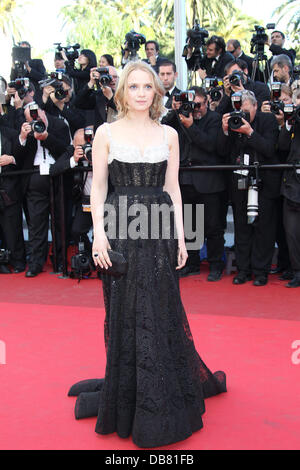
53,333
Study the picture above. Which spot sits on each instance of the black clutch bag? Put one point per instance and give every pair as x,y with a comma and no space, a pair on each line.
119,264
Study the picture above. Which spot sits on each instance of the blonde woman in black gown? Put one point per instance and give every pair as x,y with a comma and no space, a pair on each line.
155,382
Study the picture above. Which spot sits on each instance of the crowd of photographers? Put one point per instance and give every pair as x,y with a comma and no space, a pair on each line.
246,113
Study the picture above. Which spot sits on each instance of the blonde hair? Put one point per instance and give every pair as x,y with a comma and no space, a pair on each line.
157,108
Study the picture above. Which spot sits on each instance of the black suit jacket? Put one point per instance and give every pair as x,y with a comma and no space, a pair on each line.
260,90
73,116
159,61
249,61
168,104
37,73
290,141
10,184
213,67
198,146
91,99
261,147
57,141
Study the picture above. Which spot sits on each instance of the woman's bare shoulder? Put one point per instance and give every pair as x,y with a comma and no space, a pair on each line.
171,133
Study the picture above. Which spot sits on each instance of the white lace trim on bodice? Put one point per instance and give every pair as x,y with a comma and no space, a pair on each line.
132,154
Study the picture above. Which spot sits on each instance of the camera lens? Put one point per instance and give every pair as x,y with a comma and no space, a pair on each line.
38,126
235,122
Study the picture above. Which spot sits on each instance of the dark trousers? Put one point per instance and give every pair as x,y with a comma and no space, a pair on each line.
291,219
82,224
254,243
38,206
283,260
11,223
213,224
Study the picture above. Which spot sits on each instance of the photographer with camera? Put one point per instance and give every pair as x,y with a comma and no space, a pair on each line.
86,60
197,127
215,59
281,97
234,47
237,79
13,252
249,137
132,44
43,138
289,141
152,53
98,95
57,99
276,46
33,69
79,155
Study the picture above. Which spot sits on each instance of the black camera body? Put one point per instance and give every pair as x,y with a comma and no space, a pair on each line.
4,256
236,78
55,80
37,125
186,98
87,150
70,51
260,38
20,55
21,85
134,41
81,263
196,36
276,106
213,87
105,78
87,147
235,119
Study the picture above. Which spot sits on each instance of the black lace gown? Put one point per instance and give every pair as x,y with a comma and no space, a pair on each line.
155,382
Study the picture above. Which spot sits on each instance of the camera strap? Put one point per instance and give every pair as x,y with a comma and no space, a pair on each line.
186,147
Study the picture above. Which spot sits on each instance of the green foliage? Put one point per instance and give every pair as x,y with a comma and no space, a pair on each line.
101,25
290,12
10,22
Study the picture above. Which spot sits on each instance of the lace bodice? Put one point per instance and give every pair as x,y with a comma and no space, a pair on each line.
131,153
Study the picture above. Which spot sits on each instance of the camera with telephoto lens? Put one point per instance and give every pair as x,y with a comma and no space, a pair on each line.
4,256
55,80
81,263
252,202
276,104
21,85
260,38
196,40
37,125
105,78
20,55
134,41
186,98
70,51
87,147
196,36
236,116
237,77
213,87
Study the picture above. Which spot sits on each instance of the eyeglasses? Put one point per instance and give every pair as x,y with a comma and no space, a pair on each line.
199,105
